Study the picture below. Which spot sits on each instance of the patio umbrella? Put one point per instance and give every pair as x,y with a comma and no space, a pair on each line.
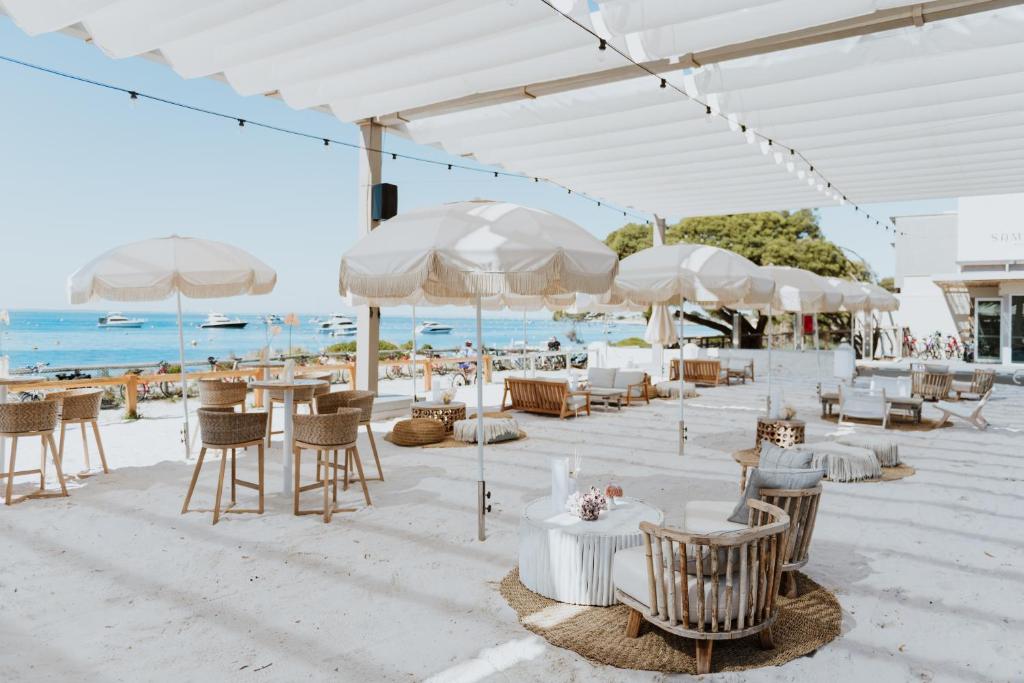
156,269
881,300
468,252
707,276
660,328
855,299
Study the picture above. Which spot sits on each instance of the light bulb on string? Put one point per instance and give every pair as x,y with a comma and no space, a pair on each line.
709,115
602,50
133,99
749,135
766,147
241,125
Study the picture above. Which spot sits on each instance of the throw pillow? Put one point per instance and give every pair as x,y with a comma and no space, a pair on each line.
777,458
772,479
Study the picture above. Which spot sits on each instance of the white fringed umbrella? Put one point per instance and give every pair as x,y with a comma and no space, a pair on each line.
156,269
660,328
466,252
707,276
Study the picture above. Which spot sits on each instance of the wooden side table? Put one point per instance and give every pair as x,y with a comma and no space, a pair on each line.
784,433
445,413
747,458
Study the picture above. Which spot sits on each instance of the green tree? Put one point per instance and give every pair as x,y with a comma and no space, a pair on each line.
888,283
780,238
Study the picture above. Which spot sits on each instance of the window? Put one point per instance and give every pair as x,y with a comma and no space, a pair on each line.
987,324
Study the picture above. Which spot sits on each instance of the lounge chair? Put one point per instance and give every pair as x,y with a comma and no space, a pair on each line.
866,404
979,384
969,414
725,589
636,384
930,382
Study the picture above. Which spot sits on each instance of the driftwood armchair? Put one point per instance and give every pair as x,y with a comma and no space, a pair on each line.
932,383
548,397
980,383
706,587
802,507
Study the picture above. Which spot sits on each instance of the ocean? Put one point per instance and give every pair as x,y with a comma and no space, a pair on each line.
71,338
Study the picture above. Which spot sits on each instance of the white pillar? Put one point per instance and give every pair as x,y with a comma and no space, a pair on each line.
184,380
736,329
368,319
657,350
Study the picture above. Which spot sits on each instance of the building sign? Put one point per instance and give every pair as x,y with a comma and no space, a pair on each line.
991,229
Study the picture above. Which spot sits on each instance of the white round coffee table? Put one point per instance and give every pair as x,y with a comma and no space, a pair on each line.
566,559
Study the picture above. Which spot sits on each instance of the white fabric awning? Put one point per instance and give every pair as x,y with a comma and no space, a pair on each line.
934,110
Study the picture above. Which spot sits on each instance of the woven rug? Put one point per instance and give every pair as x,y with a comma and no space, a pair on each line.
805,623
897,425
450,442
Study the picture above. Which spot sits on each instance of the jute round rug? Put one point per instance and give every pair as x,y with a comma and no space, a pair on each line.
805,623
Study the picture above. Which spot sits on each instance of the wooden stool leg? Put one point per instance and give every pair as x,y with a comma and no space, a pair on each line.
234,476
373,445
633,624
11,469
327,491
790,590
195,478
766,639
42,466
347,469
85,446
261,451
270,420
743,478
220,484
334,478
297,461
60,449
704,655
99,446
362,477
57,466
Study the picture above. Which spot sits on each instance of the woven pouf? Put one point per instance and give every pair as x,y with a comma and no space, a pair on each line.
843,463
495,430
418,431
671,389
885,449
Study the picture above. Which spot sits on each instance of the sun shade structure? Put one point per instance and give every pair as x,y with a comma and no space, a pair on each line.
157,269
471,251
707,276
879,299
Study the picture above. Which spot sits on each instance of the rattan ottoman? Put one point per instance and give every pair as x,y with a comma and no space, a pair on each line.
419,431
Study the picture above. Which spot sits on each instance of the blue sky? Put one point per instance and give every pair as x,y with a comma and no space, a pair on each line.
83,171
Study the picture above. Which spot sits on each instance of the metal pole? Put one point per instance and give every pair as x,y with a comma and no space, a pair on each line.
817,352
184,379
769,360
481,485
682,377
414,396
525,342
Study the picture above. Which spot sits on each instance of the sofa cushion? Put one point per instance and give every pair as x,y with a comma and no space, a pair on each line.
603,378
775,457
625,378
772,479
629,574
842,462
710,516
885,449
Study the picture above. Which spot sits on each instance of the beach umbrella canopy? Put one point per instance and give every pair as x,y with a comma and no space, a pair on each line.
469,251
854,298
801,291
156,269
879,298
660,328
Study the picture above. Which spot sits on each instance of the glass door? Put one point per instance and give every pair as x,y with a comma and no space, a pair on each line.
987,323
1017,329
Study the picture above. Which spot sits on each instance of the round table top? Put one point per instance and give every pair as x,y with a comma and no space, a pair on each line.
748,456
438,404
624,518
296,383
21,379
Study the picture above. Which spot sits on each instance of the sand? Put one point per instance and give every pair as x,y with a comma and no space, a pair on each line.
114,584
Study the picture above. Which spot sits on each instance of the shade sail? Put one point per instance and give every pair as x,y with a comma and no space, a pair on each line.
478,248
801,291
704,275
156,269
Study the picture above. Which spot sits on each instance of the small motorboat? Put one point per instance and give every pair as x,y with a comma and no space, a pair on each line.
349,330
434,328
335,322
221,321
273,319
118,320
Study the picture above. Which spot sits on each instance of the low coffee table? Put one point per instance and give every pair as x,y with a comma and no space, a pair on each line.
446,413
566,559
746,458
606,396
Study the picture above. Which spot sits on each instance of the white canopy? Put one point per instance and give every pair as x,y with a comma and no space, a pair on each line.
707,276
855,299
801,291
156,269
478,248
879,299
660,328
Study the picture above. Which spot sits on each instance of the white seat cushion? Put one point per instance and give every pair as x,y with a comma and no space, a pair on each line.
709,516
671,389
885,449
962,386
625,378
842,462
629,574
496,430
603,378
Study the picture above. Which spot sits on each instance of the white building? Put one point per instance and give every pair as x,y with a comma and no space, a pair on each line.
963,273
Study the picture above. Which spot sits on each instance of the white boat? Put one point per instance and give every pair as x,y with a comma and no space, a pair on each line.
273,319
434,328
335,322
344,331
118,320
219,320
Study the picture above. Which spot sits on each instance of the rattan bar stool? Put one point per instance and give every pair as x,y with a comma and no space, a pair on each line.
228,431
25,420
82,407
328,434
322,375
216,393
300,396
363,400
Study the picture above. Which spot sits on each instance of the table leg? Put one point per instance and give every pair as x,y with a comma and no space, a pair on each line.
288,445
3,440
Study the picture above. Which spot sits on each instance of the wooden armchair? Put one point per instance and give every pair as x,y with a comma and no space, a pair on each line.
802,507
979,385
548,397
930,383
708,372
707,587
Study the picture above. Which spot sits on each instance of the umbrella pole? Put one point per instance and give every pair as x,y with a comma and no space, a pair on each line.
817,352
682,377
414,397
184,379
769,360
525,342
481,486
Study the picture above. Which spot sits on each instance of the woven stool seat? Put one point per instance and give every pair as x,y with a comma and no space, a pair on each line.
80,404
299,394
28,417
418,431
327,435
218,393
225,430
31,419
324,376
332,430
219,427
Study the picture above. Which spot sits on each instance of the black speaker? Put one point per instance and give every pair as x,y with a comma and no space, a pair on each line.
385,201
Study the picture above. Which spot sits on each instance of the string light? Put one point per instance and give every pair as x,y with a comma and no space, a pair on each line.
135,95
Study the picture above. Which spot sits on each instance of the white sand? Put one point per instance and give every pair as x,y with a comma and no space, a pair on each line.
114,584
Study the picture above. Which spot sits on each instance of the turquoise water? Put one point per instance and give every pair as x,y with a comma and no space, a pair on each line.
71,338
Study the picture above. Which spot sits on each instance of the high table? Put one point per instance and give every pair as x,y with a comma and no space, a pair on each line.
6,382
287,387
567,559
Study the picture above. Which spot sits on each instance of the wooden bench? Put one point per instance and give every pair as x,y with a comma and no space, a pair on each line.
549,397
703,371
